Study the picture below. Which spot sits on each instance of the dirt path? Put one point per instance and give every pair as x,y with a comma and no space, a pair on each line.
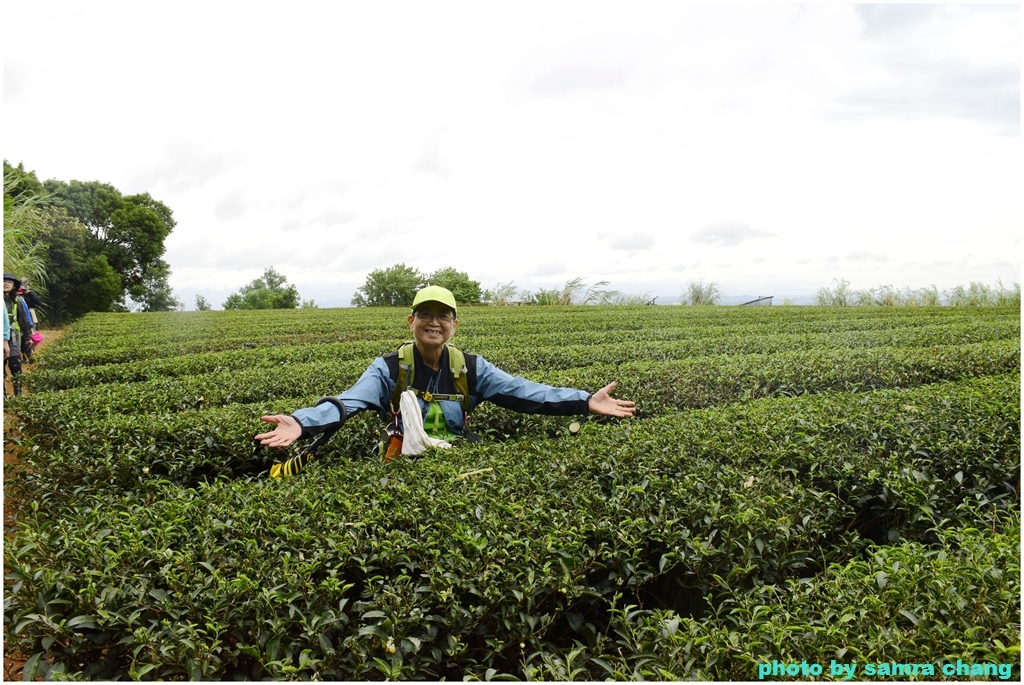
13,663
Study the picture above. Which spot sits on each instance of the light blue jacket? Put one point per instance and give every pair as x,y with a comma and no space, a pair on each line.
375,387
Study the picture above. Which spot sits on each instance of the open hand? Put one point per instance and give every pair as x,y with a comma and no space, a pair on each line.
286,431
601,402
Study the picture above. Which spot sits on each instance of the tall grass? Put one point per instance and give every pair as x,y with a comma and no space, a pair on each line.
837,296
980,295
574,292
502,294
699,293
975,294
614,297
23,253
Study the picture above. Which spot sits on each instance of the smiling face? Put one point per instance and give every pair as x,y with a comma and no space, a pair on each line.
432,324
8,286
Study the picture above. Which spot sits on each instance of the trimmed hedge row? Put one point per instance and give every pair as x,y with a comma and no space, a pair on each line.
150,544
99,340
910,605
531,353
520,559
653,384
104,436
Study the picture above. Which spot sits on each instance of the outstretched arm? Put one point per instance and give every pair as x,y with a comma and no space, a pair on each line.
601,402
286,431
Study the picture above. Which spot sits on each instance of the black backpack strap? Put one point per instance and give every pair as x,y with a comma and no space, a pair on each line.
402,373
470,377
404,377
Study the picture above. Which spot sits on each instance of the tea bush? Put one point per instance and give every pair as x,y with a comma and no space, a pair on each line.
909,604
854,499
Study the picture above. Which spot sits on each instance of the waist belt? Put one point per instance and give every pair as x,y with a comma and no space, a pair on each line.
432,396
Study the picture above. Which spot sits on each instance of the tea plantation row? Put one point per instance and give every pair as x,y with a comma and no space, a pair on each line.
845,485
529,353
314,334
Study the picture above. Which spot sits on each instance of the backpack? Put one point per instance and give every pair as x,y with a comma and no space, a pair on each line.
406,372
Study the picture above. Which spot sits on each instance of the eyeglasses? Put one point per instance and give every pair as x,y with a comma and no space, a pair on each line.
443,318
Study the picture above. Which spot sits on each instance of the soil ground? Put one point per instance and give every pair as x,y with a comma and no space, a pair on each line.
13,662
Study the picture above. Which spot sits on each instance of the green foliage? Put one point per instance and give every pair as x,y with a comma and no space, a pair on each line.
700,293
800,484
837,296
85,246
23,219
269,291
155,294
130,229
974,294
981,295
21,184
83,281
396,286
392,287
572,293
924,297
915,604
620,299
575,292
502,294
202,305
466,291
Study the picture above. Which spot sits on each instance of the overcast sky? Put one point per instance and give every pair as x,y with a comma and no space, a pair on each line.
767,148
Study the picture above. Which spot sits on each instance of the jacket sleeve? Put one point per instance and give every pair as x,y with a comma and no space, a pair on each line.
372,391
25,322
33,299
528,397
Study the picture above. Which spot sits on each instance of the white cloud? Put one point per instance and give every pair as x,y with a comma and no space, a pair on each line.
728,233
866,257
536,142
578,78
631,243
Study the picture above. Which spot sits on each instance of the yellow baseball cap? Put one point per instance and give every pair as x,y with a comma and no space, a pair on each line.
435,293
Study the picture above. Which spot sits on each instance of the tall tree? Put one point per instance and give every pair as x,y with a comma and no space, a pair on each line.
82,280
20,182
131,229
266,292
465,290
155,294
80,241
392,287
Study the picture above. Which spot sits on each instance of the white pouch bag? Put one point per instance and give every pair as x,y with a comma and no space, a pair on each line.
415,439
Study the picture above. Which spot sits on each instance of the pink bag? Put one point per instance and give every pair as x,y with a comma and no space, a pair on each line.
37,337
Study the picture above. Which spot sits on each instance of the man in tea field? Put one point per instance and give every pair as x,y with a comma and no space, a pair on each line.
426,389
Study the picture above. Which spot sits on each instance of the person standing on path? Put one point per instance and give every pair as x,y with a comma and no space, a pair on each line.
20,342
